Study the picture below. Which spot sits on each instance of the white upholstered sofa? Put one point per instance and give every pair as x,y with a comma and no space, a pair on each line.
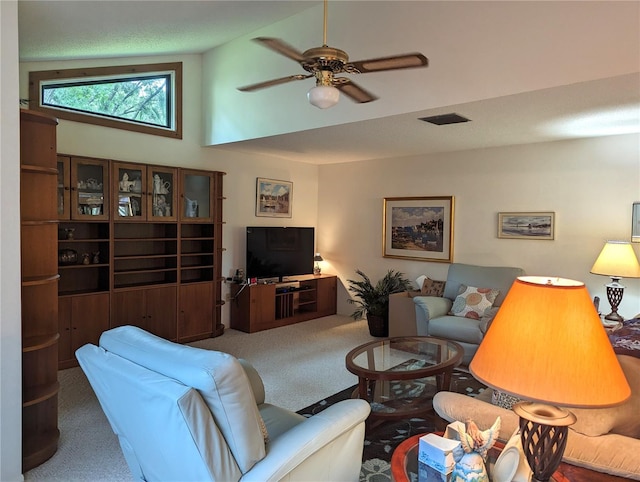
188,414
603,439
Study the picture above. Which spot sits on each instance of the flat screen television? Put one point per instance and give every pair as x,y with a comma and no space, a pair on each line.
279,252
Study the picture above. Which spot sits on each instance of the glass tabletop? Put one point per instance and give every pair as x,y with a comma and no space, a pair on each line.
405,356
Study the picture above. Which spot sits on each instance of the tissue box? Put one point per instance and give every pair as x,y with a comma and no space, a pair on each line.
453,430
437,452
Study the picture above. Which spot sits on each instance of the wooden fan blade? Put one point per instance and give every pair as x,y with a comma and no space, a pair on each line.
270,83
281,47
407,61
352,90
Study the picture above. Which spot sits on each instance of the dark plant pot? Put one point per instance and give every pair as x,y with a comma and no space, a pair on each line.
378,325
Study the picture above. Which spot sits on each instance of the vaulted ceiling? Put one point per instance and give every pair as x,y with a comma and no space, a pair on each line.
595,102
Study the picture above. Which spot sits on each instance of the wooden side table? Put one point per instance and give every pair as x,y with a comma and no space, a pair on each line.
404,463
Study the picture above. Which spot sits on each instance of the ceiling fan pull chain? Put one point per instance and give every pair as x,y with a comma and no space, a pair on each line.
324,31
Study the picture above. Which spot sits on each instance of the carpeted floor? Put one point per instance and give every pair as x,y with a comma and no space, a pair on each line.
381,441
89,451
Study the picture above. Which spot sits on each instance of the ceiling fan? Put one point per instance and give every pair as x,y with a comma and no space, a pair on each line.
325,62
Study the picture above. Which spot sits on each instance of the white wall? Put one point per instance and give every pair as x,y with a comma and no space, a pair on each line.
10,322
476,50
590,184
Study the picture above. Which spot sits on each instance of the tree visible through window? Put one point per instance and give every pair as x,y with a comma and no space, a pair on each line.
140,98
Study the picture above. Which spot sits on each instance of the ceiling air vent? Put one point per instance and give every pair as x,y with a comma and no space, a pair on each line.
444,119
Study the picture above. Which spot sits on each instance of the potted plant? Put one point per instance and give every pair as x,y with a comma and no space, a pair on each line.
373,300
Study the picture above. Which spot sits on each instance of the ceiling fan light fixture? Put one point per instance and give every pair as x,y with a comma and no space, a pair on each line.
323,96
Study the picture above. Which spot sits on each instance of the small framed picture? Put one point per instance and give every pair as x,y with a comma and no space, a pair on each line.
273,198
526,225
418,228
635,223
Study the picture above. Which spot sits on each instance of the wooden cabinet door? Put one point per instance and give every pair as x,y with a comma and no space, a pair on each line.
128,308
196,196
196,310
162,193
89,318
64,187
161,311
64,329
81,320
326,292
263,306
129,192
89,189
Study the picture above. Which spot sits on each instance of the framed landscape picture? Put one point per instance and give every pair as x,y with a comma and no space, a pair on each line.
419,228
526,225
273,198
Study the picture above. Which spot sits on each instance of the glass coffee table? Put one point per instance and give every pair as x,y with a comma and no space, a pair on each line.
399,376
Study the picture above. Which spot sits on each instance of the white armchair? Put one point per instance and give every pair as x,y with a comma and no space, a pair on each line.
184,413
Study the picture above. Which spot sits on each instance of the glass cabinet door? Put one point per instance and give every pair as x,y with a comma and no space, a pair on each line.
64,190
162,189
89,189
195,197
129,181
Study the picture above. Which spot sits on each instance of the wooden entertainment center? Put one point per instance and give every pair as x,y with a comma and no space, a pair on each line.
263,306
140,245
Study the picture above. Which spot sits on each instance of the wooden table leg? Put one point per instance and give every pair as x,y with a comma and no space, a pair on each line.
443,380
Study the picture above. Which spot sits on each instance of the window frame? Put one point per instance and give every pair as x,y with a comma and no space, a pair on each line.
36,79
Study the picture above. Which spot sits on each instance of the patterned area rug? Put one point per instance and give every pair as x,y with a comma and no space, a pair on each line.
381,441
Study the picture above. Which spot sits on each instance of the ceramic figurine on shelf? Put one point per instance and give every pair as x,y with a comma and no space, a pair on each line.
160,186
125,184
472,452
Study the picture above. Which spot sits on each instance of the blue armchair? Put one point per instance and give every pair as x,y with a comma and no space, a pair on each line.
432,313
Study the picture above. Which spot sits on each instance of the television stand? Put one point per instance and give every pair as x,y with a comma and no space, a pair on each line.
264,306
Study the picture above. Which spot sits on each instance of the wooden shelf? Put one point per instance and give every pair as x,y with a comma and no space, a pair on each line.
125,287
40,393
130,257
39,169
34,343
38,448
140,271
39,271
84,240
64,294
39,280
83,266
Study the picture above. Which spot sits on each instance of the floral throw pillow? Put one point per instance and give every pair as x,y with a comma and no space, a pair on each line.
432,288
472,302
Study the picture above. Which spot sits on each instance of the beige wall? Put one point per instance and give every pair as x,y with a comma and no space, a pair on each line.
590,184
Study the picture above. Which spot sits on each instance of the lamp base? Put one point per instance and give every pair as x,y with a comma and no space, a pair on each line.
615,290
544,430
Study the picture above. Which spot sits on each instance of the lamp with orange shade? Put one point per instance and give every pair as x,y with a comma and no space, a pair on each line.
547,346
